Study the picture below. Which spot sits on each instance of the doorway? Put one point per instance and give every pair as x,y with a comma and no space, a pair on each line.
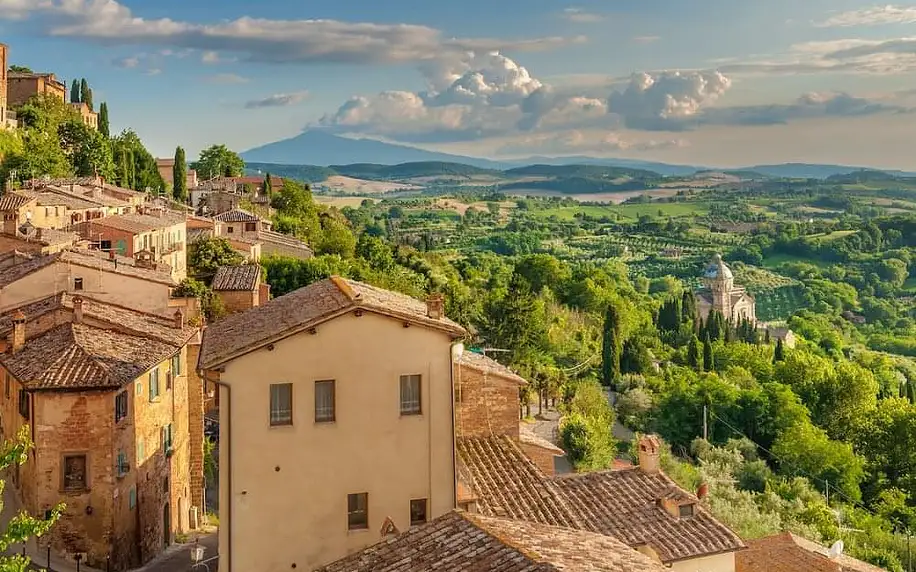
166,525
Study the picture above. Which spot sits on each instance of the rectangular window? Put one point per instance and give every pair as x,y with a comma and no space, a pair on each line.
120,406
141,451
229,229
417,512
251,227
281,404
154,384
77,283
324,401
358,511
132,498
74,470
167,439
410,394
24,408
105,245
122,468
685,510
139,388
176,364
6,390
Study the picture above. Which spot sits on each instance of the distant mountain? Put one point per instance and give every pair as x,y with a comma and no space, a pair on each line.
661,168
321,148
814,171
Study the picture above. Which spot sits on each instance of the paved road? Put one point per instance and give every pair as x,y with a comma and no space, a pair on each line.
178,557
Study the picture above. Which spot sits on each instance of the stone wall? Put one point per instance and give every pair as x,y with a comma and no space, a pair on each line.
543,458
196,430
485,404
238,301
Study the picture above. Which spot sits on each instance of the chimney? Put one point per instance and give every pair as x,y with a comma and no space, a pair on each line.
77,309
648,454
703,491
435,306
18,335
179,319
111,255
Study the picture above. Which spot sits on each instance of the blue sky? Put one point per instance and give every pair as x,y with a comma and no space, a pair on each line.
714,82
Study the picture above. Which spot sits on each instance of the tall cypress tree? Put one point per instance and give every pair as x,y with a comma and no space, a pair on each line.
180,176
75,91
88,100
268,188
104,125
85,96
693,354
688,307
779,353
709,363
611,346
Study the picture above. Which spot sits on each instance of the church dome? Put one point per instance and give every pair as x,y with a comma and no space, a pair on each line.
718,270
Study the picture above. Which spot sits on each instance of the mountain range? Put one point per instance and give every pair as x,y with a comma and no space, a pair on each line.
315,147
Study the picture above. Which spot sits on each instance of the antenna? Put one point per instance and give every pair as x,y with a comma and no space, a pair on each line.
836,549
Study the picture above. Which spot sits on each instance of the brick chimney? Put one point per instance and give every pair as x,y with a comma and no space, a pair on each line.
77,309
435,306
178,319
648,453
18,336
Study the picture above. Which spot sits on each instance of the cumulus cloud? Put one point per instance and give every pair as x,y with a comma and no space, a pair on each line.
260,39
278,100
662,101
126,63
856,56
874,16
226,78
809,106
580,16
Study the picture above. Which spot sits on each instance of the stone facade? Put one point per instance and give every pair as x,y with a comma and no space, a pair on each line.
196,411
23,86
4,66
720,294
239,301
90,118
543,457
486,404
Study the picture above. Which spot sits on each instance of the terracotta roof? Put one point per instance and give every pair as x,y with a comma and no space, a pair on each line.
527,436
509,485
13,201
787,552
89,193
245,277
271,237
79,356
482,363
462,542
136,222
236,215
47,198
305,308
625,504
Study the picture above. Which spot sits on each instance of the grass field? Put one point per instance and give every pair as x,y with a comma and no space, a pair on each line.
632,211
830,237
341,202
775,260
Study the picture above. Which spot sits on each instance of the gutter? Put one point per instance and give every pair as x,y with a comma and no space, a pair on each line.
228,445
451,375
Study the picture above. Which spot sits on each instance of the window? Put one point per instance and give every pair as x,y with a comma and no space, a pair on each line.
410,394
281,404
251,227
120,406
154,384
141,451
176,364
324,401
685,510
6,389
167,439
75,473
122,468
105,245
229,230
417,512
24,408
139,388
132,498
77,283
358,511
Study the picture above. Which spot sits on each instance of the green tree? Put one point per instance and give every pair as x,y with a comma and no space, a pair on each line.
709,363
85,93
219,160
180,176
268,186
205,256
136,167
20,69
806,449
610,346
688,306
104,124
75,91
780,353
87,150
21,527
336,238
694,354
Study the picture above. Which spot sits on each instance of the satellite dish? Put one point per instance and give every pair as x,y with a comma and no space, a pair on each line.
836,549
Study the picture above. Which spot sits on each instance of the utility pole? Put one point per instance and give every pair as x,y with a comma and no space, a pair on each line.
827,491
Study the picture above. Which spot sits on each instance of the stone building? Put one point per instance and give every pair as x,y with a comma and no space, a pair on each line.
241,225
4,66
89,117
719,293
240,287
22,86
105,392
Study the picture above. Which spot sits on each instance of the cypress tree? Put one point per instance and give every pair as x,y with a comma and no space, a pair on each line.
688,307
779,353
85,96
693,354
180,176
268,189
709,363
104,125
88,101
75,92
766,337
611,346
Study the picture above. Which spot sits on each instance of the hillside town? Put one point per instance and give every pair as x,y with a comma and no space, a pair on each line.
339,424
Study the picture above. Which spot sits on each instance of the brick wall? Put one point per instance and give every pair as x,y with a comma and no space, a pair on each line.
543,458
196,430
485,404
236,301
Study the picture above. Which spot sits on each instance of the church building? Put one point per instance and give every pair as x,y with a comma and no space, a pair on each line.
720,293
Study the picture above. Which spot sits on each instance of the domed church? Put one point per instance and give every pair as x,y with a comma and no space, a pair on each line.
720,293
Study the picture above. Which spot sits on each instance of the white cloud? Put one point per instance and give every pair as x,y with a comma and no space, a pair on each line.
652,100
646,39
852,56
583,141
126,63
260,39
877,15
278,100
226,78
580,16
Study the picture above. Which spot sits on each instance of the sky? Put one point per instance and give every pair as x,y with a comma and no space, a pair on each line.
703,82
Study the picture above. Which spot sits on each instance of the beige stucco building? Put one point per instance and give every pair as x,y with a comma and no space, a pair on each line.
720,294
336,423
157,234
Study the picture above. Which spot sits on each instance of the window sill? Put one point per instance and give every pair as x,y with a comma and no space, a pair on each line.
420,414
360,530
280,425
75,492
156,399
326,422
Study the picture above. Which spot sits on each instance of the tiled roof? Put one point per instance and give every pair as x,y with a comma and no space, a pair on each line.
269,236
88,194
305,308
120,264
462,542
237,278
236,215
47,198
19,271
509,485
136,222
79,356
527,436
482,363
787,552
625,504
195,234
13,201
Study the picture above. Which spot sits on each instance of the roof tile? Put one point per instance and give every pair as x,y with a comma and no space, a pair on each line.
245,277
787,552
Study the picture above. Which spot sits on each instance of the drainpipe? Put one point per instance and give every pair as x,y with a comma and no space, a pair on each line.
228,444
455,351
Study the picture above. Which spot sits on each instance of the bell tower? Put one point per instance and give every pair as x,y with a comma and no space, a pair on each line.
4,66
720,282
